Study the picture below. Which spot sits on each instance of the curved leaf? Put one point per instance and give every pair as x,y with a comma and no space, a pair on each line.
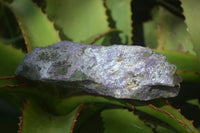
90,120
78,19
35,26
123,121
18,93
10,58
151,32
188,66
162,129
68,104
167,31
194,102
191,9
167,114
96,38
175,114
120,13
59,106
36,120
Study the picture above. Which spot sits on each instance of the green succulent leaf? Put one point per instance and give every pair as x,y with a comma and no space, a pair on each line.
120,13
35,26
98,38
18,92
167,31
4,81
151,33
188,66
68,104
176,114
194,102
163,129
57,105
90,120
81,19
191,11
123,121
164,112
167,34
37,120
10,58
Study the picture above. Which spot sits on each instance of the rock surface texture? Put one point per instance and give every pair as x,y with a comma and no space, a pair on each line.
120,71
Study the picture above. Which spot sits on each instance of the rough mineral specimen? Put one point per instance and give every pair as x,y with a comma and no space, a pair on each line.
119,71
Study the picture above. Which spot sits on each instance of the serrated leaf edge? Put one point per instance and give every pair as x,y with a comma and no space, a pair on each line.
171,116
131,23
179,110
8,77
100,35
75,118
52,23
13,86
20,25
184,71
20,124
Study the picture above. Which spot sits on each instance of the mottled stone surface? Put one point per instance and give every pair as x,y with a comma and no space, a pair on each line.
119,71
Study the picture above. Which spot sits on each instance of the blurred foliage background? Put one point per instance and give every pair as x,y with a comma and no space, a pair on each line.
167,26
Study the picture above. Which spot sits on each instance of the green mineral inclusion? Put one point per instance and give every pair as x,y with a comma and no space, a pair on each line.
46,56
78,75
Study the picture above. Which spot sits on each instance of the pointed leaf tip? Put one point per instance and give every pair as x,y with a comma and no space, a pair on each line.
122,16
164,112
35,26
191,10
75,118
38,120
78,25
123,121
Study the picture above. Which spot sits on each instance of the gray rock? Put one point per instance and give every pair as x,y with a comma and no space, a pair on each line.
120,71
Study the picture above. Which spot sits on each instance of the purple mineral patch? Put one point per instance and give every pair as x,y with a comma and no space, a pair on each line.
119,71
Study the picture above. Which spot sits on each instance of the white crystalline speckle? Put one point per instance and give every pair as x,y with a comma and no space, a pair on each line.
120,71
44,69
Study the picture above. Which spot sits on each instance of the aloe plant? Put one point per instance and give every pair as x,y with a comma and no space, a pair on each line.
171,29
